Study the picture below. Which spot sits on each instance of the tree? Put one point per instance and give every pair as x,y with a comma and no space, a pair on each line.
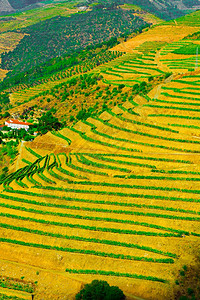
6,114
47,123
100,290
82,114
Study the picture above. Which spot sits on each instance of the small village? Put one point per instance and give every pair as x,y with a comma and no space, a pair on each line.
14,129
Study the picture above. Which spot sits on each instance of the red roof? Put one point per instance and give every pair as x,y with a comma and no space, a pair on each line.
14,121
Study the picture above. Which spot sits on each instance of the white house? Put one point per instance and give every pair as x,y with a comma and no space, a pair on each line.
16,124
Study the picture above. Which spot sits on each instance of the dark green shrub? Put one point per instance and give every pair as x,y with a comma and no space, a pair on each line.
100,290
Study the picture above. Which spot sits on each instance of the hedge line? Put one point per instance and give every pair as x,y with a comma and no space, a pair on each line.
86,170
146,68
180,97
116,274
70,165
96,202
66,249
142,124
102,211
44,178
66,172
10,284
135,142
185,126
111,73
86,217
181,91
109,242
33,181
33,152
77,238
20,183
139,157
147,134
87,138
57,176
26,161
176,172
6,297
186,82
125,69
141,62
159,177
134,186
173,107
88,162
101,157
176,102
174,116
28,172
58,134
121,194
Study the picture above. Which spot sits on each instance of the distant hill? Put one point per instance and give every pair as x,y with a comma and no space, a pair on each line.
169,9
165,9
12,5
61,35
22,3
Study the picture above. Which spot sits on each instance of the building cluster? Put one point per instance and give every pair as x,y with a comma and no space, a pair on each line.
16,124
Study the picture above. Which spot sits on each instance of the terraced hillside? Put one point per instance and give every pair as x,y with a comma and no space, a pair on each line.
18,289
114,196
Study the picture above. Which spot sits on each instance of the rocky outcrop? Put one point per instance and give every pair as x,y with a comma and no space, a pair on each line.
5,6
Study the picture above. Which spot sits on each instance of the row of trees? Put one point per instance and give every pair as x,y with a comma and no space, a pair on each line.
78,62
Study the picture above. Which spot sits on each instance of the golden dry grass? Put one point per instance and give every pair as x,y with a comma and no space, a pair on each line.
159,33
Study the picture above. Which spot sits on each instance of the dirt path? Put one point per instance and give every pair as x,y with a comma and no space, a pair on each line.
169,79
157,92
19,157
158,89
133,297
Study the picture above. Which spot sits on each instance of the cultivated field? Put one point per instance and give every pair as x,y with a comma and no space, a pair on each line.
114,197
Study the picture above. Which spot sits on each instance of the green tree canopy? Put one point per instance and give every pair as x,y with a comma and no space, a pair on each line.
100,290
47,123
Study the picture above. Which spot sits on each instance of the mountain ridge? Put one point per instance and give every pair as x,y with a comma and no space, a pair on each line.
166,9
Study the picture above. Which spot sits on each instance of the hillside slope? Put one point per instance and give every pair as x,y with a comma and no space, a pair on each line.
113,195
166,9
62,35
117,192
